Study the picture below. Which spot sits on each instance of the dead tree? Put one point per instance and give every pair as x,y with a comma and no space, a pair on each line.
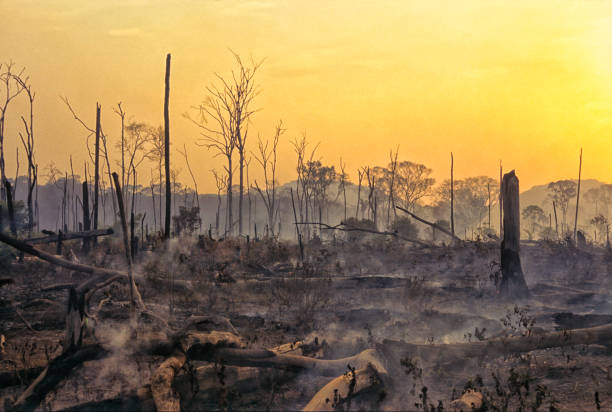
228,106
391,199
267,159
135,299
28,144
121,113
501,203
452,198
241,91
153,201
167,147
433,225
10,207
86,222
221,183
372,201
196,196
96,171
577,198
12,89
342,184
360,174
512,282
100,137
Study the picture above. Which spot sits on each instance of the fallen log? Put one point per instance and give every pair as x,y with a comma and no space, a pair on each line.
57,370
496,347
343,227
471,400
364,387
434,225
69,236
100,273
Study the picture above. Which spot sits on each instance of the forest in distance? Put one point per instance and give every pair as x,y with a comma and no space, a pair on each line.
123,287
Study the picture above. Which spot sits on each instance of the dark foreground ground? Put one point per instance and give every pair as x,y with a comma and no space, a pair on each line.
347,298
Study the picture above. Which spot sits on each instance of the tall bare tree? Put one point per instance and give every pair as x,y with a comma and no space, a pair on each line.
267,158
100,139
228,107
167,145
342,179
12,88
28,144
97,171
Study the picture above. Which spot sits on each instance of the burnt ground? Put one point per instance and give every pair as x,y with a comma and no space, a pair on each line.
348,297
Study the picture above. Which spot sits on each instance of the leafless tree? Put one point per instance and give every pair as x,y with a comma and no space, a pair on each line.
156,155
153,200
196,199
393,172
305,174
267,158
121,113
360,175
372,199
12,88
103,148
221,182
560,193
167,145
28,144
228,107
135,145
342,179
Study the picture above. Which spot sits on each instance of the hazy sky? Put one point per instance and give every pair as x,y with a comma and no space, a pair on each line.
527,82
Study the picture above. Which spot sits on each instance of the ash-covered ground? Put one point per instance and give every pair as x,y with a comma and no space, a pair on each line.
400,301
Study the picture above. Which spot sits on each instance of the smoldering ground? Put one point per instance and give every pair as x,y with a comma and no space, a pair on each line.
347,298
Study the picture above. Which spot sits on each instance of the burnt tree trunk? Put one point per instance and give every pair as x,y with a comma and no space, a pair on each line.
9,206
167,147
96,171
452,198
86,222
513,282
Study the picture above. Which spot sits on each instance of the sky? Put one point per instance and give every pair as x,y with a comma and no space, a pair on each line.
525,82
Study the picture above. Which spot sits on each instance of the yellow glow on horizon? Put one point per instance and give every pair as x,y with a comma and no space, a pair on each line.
522,81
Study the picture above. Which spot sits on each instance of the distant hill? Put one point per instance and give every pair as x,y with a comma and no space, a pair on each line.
538,195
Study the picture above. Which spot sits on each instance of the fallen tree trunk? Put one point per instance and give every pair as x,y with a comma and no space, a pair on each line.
364,387
435,226
57,370
348,228
70,236
495,347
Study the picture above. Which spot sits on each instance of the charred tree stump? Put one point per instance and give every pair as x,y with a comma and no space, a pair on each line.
513,282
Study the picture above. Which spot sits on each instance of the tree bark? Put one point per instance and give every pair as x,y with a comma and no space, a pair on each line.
513,282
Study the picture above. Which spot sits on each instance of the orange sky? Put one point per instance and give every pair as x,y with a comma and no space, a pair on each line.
528,82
